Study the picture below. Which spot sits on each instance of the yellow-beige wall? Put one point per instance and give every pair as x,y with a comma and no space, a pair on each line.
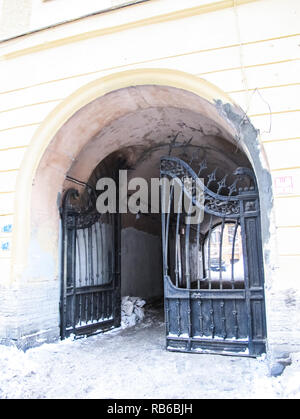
249,49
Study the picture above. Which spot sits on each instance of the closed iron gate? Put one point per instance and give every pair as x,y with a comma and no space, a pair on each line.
90,279
213,270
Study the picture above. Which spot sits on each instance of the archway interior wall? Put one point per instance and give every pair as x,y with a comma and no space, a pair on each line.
86,139
148,135
80,139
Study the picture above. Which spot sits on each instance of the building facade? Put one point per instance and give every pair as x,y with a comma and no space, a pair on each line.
80,83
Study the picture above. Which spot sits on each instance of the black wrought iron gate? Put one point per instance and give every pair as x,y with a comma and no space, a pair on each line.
90,267
213,270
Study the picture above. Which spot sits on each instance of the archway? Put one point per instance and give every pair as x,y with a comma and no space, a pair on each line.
83,131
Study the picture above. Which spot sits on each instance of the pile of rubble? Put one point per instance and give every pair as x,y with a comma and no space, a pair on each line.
132,311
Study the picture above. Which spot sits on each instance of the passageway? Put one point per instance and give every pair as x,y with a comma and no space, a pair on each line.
122,253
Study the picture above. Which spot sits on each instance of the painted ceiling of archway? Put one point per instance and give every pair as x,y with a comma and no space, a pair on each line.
142,137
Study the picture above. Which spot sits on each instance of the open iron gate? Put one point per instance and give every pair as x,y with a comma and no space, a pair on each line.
90,273
210,307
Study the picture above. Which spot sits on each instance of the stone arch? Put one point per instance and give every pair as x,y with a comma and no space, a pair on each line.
54,152
65,110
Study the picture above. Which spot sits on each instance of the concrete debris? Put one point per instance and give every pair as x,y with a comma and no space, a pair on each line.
132,311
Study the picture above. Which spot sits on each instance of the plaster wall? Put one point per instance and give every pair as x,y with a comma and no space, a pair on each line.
20,16
141,264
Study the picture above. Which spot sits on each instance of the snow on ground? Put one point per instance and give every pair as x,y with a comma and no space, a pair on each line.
133,363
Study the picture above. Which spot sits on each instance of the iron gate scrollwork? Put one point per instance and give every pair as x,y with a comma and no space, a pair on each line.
90,267
213,270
